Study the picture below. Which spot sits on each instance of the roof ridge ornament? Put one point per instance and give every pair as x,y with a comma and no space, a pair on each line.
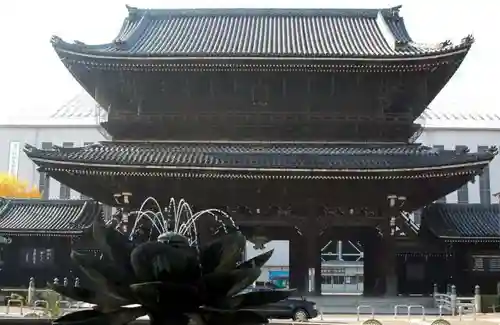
468,40
493,150
446,43
394,11
462,150
131,9
29,148
134,12
54,40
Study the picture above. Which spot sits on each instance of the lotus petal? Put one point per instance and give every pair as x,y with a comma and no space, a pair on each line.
94,317
114,245
154,261
105,301
230,317
223,253
251,276
257,261
100,282
160,297
220,285
258,298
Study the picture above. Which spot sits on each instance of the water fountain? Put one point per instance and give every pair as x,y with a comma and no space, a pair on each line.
181,216
169,275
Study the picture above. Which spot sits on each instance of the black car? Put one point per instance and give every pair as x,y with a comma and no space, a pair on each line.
296,308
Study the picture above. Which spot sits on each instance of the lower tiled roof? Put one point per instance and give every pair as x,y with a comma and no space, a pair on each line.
324,156
46,217
463,222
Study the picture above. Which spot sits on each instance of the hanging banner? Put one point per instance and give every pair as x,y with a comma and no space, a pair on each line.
14,151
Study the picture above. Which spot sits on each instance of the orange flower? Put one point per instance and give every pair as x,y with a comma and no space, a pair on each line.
11,187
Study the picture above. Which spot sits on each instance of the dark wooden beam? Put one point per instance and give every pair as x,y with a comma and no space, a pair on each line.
249,221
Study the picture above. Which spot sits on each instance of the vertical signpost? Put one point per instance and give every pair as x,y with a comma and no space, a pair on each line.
14,151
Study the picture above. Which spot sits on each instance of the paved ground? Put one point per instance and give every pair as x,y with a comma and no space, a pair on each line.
339,319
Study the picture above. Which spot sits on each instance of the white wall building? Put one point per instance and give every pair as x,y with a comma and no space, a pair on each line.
76,124
72,125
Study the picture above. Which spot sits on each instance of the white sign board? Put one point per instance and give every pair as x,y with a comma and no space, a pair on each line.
14,151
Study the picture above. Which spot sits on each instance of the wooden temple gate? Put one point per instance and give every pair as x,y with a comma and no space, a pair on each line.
278,136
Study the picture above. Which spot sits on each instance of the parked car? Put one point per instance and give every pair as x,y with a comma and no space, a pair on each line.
297,308
264,285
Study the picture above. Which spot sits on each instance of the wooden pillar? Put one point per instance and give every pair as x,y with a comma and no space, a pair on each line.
318,279
370,265
385,277
298,264
389,263
313,258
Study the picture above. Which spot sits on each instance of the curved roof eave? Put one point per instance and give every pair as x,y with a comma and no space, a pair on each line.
93,52
481,162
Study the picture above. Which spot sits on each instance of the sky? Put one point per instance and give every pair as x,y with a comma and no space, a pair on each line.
34,81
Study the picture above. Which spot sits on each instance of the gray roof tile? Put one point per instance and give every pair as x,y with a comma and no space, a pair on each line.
81,106
460,119
458,222
258,155
264,32
46,217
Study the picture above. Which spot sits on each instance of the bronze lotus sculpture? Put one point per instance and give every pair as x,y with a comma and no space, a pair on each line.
170,279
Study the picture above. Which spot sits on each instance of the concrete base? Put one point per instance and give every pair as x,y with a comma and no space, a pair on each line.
391,286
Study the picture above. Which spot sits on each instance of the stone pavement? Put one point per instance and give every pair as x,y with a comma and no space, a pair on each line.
340,319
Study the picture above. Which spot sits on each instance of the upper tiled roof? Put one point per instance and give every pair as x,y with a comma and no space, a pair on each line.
46,217
327,33
461,222
233,155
